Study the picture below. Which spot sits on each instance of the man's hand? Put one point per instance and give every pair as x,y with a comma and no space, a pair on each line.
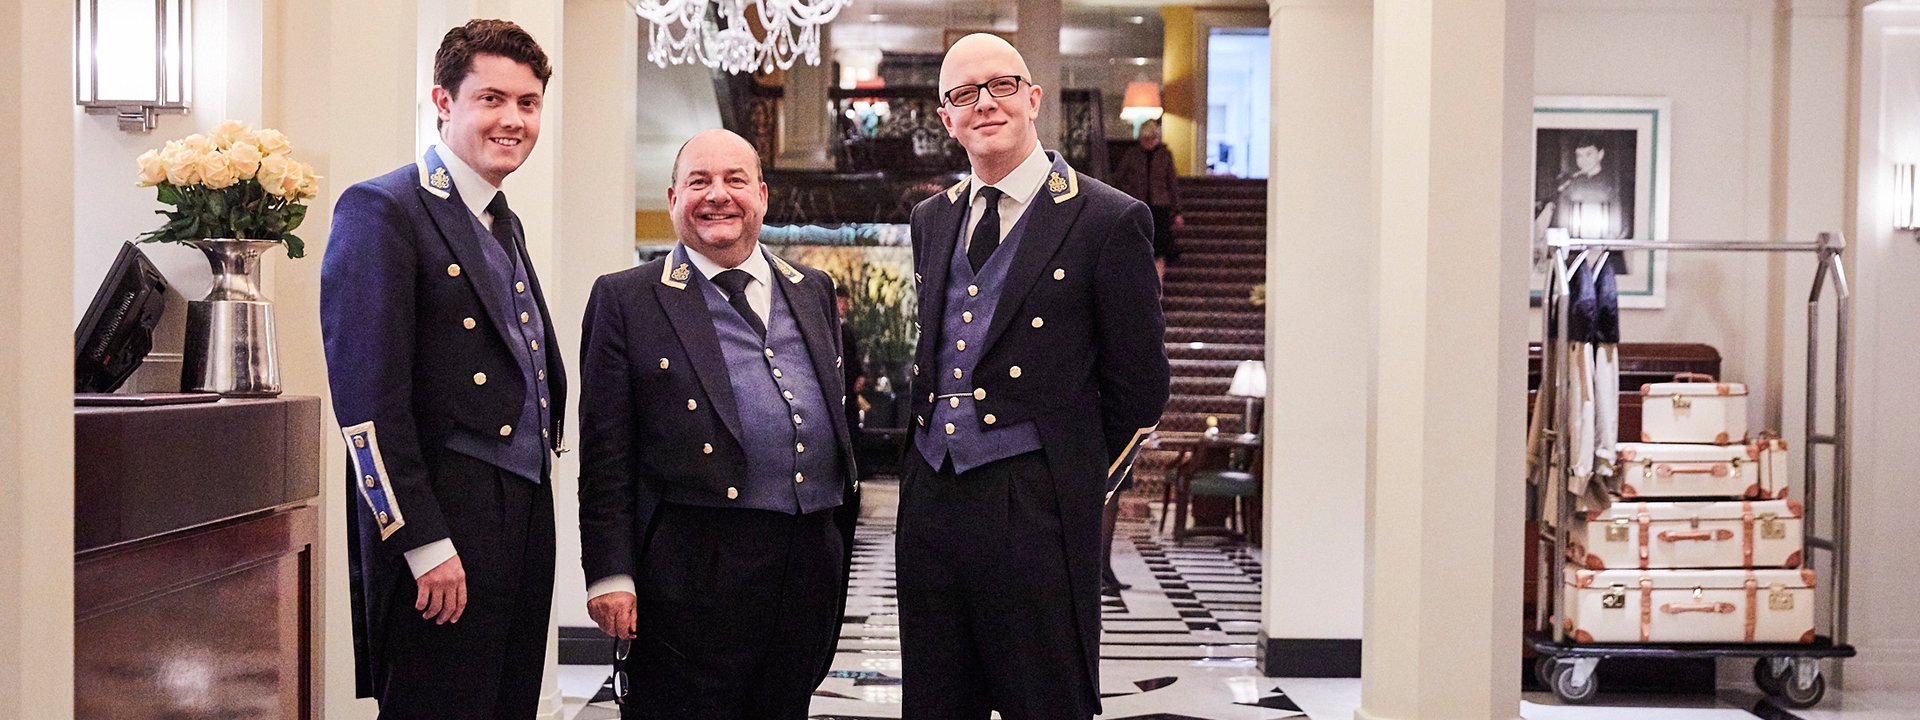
616,614
443,592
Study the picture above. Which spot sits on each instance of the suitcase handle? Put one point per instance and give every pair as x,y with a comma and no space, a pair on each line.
1715,469
1713,608
1721,535
1693,377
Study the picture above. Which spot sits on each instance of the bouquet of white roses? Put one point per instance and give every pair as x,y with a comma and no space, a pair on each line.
233,182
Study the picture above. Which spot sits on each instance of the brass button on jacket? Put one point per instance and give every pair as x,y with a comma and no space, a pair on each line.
479,378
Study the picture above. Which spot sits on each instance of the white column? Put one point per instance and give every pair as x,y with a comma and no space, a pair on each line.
805,128
36,371
339,80
1039,43
599,58
1452,127
1320,268
1886,275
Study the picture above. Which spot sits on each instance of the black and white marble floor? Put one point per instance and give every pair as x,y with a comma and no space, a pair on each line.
1179,645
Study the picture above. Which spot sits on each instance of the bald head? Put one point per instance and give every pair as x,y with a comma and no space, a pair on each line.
997,131
980,50
718,140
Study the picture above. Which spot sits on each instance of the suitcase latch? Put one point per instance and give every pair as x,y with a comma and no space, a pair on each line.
1778,599
1646,469
1699,594
1680,402
1618,531
1735,462
1615,599
1771,528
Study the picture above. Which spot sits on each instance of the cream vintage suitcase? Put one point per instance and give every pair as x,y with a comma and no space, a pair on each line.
1689,606
1755,470
1708,534
1693,409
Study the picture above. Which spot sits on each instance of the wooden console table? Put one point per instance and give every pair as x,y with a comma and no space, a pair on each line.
194,529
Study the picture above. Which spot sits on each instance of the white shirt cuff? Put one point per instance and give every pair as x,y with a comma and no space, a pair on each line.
611,584
425,558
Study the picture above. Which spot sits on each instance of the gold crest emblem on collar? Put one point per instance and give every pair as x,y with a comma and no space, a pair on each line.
439,180
680,274
1055,183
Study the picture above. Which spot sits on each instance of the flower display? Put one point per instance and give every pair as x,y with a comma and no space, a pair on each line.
231,182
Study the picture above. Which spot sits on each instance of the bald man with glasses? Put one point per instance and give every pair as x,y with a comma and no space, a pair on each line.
1039,370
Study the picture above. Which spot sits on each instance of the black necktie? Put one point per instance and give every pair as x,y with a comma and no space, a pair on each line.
503,224
735,283
986,234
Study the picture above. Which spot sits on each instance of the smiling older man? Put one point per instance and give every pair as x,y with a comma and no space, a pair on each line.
1039,369
716,470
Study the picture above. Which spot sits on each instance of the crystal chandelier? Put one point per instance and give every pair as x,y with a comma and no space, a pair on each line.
736,35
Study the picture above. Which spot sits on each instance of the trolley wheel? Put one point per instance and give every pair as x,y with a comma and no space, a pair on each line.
1801,696
1766,679
1571,693
1543,668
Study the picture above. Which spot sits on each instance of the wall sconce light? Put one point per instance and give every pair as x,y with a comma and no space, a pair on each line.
1141,103
133,59
1906,197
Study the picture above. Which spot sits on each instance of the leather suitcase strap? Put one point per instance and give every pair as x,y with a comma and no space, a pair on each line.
1646,609
1753,605
1646,544
1746,536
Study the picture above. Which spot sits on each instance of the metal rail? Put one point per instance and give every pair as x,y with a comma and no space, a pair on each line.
1830,270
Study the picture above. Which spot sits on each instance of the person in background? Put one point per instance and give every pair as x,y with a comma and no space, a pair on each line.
1145,171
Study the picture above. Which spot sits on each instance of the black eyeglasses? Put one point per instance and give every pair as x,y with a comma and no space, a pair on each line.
969,93
621,683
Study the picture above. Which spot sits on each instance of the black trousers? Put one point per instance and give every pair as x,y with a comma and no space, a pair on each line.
1164,245
739,610
986,613
489,664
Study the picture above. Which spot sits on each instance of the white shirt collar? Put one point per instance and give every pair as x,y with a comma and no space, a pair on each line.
1024,182
475,191
756,265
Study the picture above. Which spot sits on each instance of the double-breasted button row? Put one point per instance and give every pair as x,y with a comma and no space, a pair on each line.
520,287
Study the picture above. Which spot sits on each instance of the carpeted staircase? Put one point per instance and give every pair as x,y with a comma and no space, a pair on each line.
1212,323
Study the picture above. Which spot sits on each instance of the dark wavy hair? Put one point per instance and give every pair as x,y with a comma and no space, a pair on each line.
454,59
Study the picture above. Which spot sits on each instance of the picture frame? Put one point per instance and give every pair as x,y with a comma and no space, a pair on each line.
1603,170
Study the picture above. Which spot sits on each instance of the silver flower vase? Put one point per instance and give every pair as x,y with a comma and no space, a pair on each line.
230,340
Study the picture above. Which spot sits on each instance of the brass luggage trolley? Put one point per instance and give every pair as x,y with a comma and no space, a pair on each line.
1789,672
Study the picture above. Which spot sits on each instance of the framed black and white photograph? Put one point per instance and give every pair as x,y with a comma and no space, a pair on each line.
1601,172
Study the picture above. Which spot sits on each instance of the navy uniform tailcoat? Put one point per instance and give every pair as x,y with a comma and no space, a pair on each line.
1075,346
657,407
412,319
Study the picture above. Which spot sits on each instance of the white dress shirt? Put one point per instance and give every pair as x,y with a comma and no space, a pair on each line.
475,193
759,292
1020,187
760,298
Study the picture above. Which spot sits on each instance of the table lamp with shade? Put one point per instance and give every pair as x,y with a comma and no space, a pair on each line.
1250,382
